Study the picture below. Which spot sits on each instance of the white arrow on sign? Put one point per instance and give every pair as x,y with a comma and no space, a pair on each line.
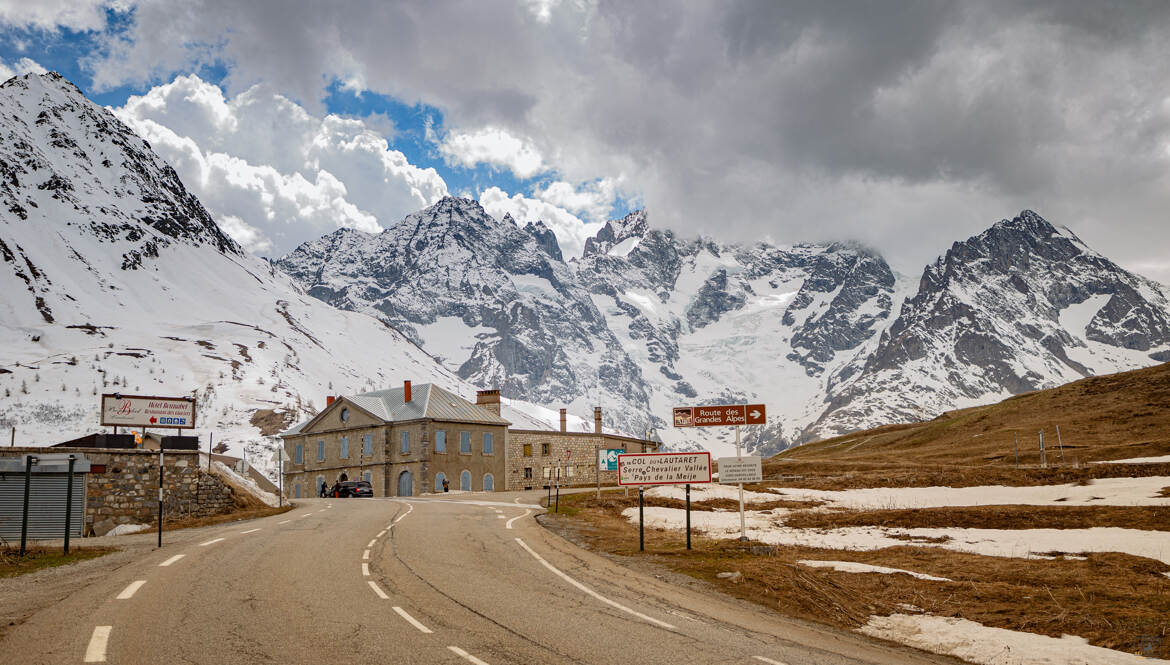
755,414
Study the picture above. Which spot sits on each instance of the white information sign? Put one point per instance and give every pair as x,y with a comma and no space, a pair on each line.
735,470
664,468
143,411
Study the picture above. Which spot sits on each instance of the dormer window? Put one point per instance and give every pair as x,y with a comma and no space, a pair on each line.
344,414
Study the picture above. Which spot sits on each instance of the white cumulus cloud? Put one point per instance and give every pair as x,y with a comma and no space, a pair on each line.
51,14
494,146
593,200
20,67
570,230
273,174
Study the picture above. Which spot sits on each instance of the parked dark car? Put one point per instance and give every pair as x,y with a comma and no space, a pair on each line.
354,488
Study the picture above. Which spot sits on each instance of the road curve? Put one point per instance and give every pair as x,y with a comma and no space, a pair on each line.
469,578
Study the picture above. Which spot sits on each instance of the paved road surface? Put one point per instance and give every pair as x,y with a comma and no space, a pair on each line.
466,579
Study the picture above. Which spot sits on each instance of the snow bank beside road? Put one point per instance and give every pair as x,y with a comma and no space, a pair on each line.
985,645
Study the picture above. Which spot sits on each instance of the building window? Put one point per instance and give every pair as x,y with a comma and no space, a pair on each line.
344,414
528,473
368,444
344,447
320,451
528,450
489,483
405,447
300,454
544,449
297,491
441,441
465,481
488,444
547,473
465,443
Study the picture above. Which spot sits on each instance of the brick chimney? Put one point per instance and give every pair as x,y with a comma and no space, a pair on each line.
406,392
329,399
597,420
489,399
564,420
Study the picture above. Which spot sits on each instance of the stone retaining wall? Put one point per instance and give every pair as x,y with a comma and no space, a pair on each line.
122,486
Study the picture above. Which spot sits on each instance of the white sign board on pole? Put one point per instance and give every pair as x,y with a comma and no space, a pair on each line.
664,468
142,411
607,459
736,470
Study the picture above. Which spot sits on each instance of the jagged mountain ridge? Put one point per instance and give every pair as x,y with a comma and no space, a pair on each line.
115,279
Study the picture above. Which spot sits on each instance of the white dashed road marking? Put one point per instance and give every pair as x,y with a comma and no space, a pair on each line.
768,660
508,524
129,591
284,522
378,590
210,542
470,658
409,510
411,620
249,531
171,560
502,517
365,570
381,533
591,592
371,543
366,555
96,651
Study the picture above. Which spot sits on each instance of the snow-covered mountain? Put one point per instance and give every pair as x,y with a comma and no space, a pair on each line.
115,279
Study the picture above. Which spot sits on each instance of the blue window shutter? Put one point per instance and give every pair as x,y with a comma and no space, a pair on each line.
441,441
344,447
368,444
320,450
465,442
300,453
405,443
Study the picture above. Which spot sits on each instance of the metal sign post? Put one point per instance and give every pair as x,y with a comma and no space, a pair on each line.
558,508
29,461
160,493
69,501
1043,453
1060,444
597,460
688,516
742,522
641,523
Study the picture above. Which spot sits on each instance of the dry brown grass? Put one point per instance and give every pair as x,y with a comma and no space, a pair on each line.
234,516
38,557
1114,600
1150,518
1101,418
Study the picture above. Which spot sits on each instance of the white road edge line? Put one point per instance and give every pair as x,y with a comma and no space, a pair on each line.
411,620
591,592
129,591
365,570
284,522
210,542
466,655
381,533
171,560
409,510
508,524
96,651
769,660
249,531
370,544
378,590
366,555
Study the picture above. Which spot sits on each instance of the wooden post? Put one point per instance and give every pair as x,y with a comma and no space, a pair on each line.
1016,439
1060,444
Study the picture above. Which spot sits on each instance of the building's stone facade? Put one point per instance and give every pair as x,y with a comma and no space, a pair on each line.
122,486
534,456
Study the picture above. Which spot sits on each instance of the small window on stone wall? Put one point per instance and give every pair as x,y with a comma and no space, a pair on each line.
528,452
544,449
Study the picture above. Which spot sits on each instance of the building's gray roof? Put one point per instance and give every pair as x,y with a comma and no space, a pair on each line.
427,401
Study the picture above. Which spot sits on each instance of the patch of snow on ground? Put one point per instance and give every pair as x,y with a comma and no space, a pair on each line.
123,529
1102,492
1075,318
1009,543
976,643
640,300
1138,460
854,567
246,483
624,247
706,492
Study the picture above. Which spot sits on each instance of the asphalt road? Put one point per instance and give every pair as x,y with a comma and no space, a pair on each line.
465,579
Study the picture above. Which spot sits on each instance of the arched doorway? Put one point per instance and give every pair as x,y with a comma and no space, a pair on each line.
342,478
489,483
405,484
439,478
465,481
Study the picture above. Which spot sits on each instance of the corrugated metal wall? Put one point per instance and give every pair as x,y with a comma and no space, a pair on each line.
46,505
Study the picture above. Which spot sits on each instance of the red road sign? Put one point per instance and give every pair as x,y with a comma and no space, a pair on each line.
720,416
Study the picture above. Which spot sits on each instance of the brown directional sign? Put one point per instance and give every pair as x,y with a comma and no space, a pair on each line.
720,416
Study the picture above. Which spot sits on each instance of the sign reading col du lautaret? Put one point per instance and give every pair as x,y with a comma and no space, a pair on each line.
664,468
143,411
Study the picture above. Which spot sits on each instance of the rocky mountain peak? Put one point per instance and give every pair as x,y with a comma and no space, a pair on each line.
629,229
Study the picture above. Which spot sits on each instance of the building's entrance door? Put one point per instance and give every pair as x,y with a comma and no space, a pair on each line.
405,484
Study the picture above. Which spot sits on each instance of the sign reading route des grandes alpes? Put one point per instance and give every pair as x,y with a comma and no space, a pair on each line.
720,416
664,468
142,411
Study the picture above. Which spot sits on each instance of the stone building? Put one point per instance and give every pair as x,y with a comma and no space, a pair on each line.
404,441
537,457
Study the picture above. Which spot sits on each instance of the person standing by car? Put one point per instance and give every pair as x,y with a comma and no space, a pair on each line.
446,485
324,489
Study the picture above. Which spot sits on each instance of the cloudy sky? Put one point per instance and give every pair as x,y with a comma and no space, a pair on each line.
905,125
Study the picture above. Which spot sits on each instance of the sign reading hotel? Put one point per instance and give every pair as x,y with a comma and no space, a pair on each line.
720,416
664,468
142,411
